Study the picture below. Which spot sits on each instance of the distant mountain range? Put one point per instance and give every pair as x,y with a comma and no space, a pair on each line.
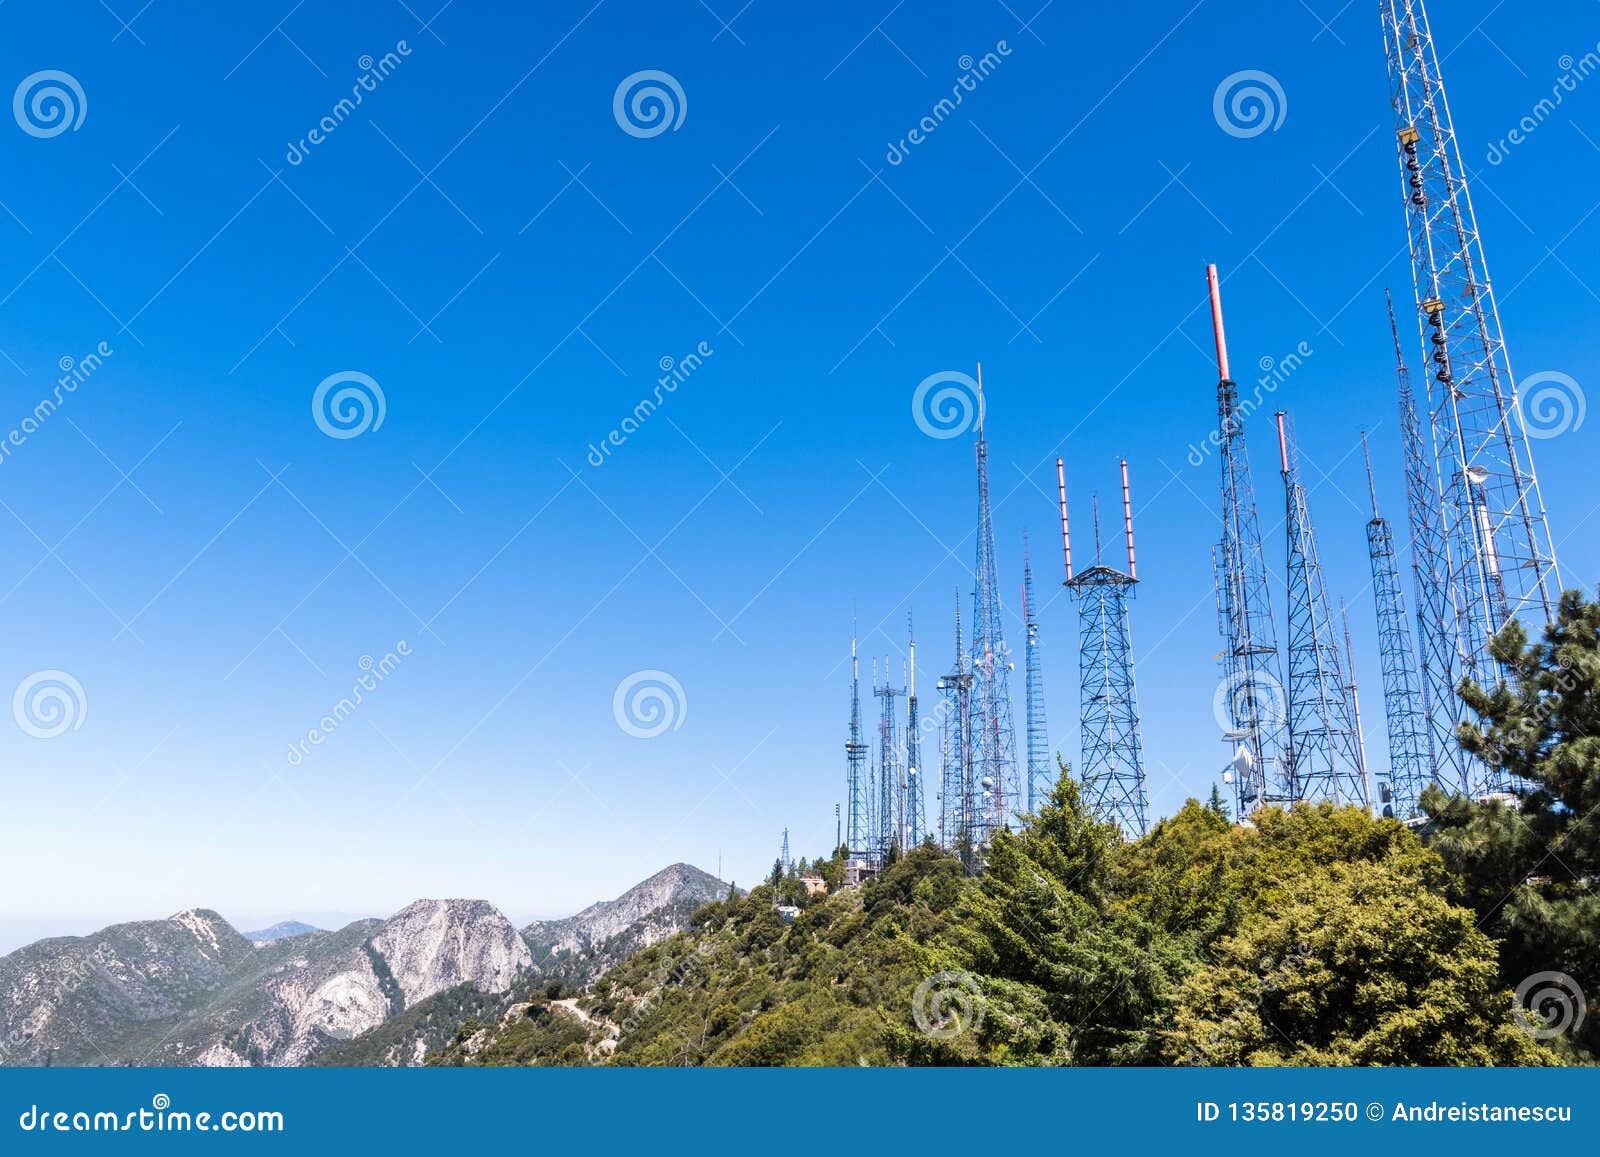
280,931
191,990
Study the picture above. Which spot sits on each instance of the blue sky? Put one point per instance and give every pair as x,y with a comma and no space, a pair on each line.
483,239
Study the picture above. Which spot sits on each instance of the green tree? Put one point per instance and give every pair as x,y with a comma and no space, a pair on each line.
1063,975
1529,869
1359,965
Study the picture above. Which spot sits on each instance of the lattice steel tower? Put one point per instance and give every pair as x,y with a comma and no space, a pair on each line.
1410,767
858,826
1438,657
1324,757
957,782
1112,757
1501,558
1252,693
1041,768
916,824
993,735
889,798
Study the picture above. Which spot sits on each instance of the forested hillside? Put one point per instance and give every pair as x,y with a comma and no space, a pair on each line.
1316,935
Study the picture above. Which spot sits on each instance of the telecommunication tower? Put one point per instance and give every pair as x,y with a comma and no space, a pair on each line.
1112,768
1410,768
1324,756
1500,556
1041,769
1252,693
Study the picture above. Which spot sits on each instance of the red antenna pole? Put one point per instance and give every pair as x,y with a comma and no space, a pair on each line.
1283,444
1217,332
1127,521
1066,539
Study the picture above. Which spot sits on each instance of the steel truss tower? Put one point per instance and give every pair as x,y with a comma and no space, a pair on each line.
1438,658
889,815
1501,559
1112,756
858,827
916,821
1252,691
993,735
1041,769
1325,760
957,781
1410,765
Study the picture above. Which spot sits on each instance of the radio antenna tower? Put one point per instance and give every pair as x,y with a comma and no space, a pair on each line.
1410,767
1112,756
916,809
993,736
1438,657
1501,558
1252,686
957,783
1325,760
858,827
1041,773
890,800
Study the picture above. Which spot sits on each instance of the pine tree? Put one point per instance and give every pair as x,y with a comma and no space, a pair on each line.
1530,870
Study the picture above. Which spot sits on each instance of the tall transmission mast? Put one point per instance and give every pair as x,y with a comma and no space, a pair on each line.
993,735
1410,765
890,799
783,854
916,826
1438,655
1501,558
1112,768
1325,760
1252,688
858,827
1041,774
957,781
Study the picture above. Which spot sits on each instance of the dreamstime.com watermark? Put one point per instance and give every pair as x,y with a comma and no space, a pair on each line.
973,73
1552,404
947,1004
49,703
1573,74
1248,103
373,73
674,372
1549,1004
947,404
160,1117
1274,372
348,404
648,103
48,103
1247,701
373,673
74,373
674,973
78,972
649,703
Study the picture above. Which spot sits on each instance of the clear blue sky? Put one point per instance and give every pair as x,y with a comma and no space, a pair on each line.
483,239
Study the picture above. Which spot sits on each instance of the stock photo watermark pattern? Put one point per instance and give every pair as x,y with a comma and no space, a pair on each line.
1248,103
1553,404
649,103
947,1004
947,404
49,103
348,404
650,703
48,704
